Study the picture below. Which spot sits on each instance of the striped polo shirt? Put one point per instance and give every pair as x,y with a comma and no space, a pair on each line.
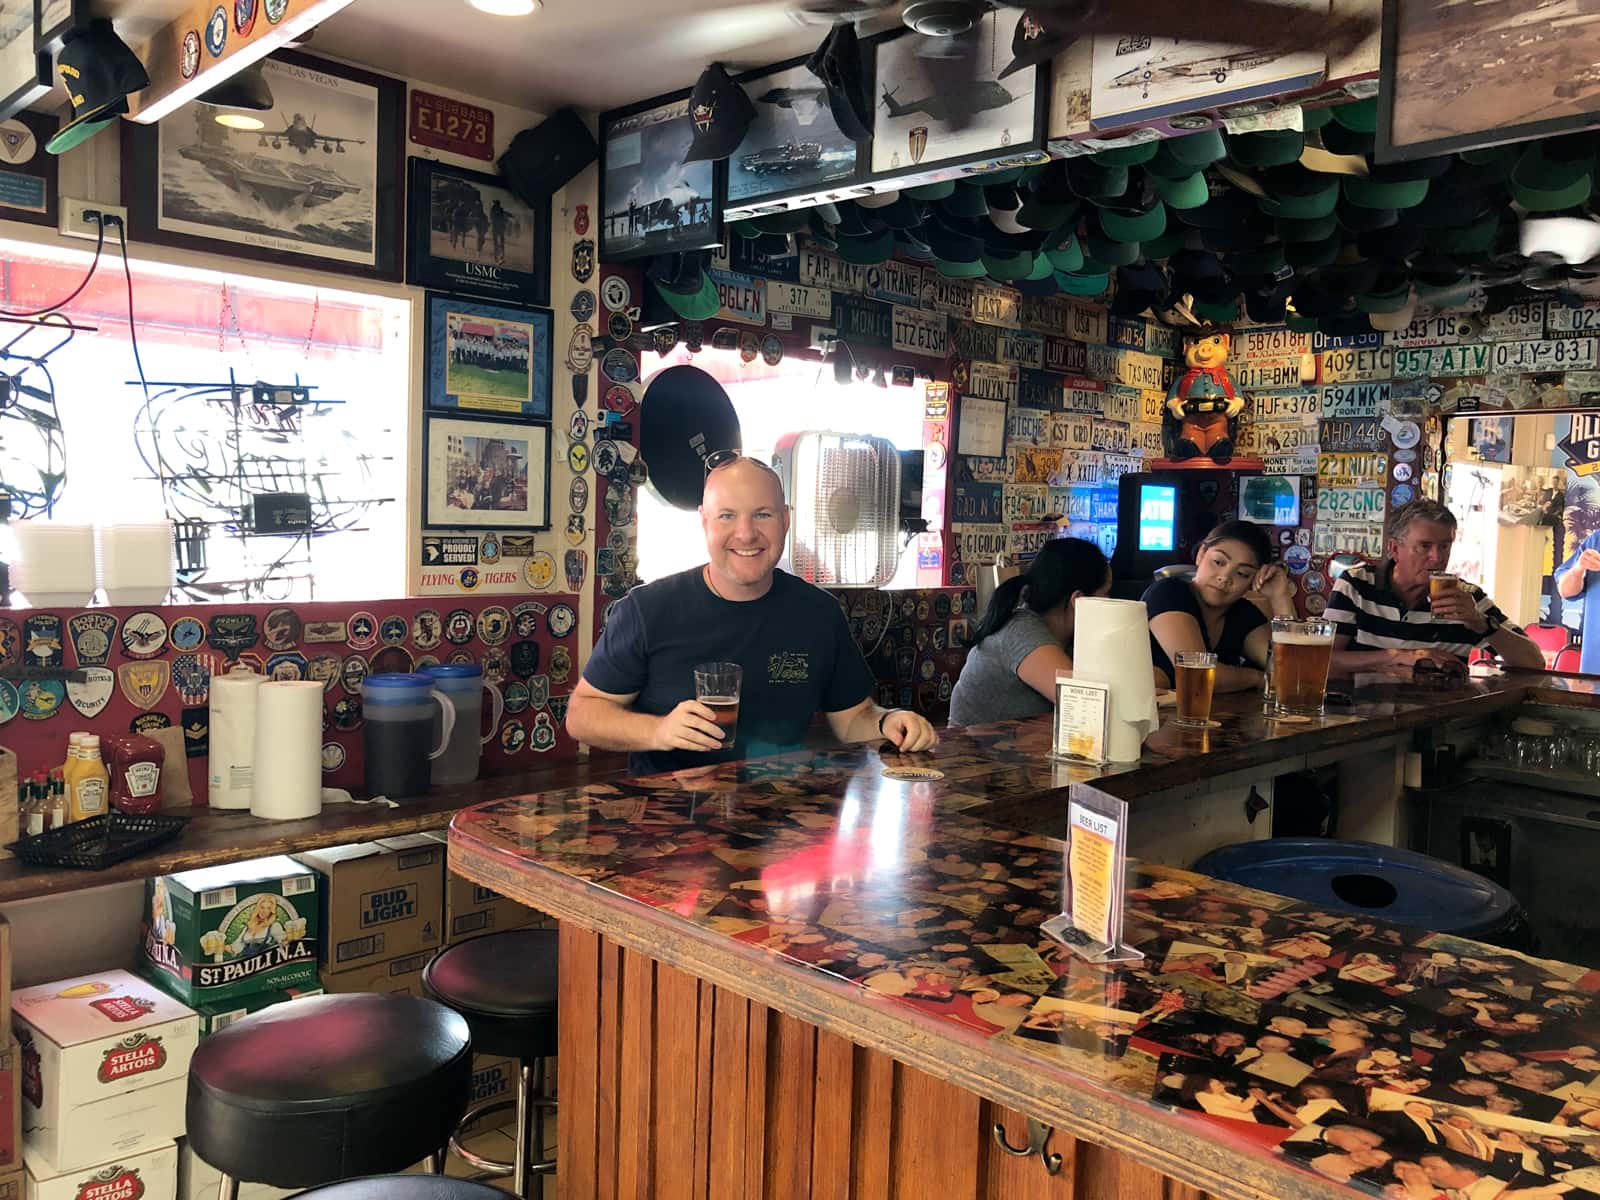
1367,610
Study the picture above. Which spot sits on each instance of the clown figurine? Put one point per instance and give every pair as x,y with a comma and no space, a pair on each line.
1202,403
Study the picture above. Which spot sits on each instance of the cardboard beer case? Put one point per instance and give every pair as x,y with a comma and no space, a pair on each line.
105,1060
14,1185
380,901
399,975
152,1174
10,1107
217,1015
221,933
470,909
198,1180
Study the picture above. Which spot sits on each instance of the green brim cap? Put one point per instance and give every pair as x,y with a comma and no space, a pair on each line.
1312,119
1300,324
1383,302
1541,183
1088,283
1066,258
867,251
1485,155
1477,238
699,305
967,201
1196,150
1128,156
960,270
1043,269
942,190
748,230
83,128
1307,207
1268,148
1376,193
1228,310
1339,139
1139,228
1295,229
1007,267
1358,115
1109,252
1186,192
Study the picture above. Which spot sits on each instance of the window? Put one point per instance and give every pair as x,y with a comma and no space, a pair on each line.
796,395
82,441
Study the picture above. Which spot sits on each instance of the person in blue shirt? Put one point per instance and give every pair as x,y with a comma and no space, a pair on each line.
1578,576
791,639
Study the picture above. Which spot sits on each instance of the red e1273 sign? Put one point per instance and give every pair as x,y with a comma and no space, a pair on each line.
452,125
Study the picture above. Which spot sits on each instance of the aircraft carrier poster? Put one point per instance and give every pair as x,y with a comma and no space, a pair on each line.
651,201
319,180
1142,78
793,145
934,106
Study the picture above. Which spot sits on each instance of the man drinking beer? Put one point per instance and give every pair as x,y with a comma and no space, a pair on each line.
1407,610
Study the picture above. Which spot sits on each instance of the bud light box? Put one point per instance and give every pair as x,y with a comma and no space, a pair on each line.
105,1060
381,900
222,933
149,1175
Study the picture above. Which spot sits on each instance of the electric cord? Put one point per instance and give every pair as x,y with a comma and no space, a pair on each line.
99,245
133,325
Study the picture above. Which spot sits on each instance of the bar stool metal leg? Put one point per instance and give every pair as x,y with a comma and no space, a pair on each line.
519,1173
227,1188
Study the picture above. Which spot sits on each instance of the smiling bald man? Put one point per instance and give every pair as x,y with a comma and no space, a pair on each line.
637,691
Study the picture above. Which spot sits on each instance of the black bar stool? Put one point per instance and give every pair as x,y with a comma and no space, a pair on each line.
329,1088
504,984
405,1187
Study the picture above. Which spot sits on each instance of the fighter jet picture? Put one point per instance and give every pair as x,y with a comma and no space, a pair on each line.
957,106
302,135
803,102
1166,68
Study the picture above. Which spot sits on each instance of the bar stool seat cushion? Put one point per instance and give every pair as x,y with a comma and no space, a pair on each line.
504,984
405,1187
328,1088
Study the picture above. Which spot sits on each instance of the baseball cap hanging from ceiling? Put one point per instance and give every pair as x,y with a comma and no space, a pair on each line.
720,113
99,73
1039,36
837,62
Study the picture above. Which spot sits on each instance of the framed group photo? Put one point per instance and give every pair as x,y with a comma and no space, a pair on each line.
319,185
468,233
651,201
488,358
480,473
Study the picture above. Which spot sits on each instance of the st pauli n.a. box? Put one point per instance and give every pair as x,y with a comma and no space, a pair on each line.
220,933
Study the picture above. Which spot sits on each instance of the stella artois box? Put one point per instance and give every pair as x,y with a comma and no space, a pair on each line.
104,1064
381,900
222,933
151,1174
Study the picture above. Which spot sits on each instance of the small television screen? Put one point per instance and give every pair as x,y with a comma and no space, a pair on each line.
1270,499
1158,516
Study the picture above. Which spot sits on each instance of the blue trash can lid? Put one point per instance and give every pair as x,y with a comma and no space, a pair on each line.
1370,880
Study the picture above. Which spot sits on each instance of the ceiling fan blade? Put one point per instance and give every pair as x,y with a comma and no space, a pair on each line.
1236,22
825,12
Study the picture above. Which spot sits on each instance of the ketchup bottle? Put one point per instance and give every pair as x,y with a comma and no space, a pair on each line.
135,763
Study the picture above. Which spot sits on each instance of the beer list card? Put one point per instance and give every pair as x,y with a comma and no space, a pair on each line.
1095,865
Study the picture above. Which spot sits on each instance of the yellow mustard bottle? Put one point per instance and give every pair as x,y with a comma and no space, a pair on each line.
71,769
91,797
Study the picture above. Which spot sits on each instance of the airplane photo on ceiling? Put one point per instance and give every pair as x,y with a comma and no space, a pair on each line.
652,202
931,108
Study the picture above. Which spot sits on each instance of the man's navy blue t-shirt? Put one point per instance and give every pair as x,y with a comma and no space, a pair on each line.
793,644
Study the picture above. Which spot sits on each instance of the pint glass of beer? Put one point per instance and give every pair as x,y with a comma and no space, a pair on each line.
1301,651
1196,672
716,685
1440,582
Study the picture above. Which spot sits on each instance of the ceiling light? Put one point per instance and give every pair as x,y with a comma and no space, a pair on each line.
239,120
507,8
247,88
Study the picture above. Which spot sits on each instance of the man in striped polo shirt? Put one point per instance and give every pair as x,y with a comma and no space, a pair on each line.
1386,621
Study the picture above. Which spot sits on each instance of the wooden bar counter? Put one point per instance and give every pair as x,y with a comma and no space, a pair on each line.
821,975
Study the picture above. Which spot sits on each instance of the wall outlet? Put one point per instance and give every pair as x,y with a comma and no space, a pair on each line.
74,224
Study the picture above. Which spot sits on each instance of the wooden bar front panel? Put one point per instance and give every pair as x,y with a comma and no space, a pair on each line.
674,1089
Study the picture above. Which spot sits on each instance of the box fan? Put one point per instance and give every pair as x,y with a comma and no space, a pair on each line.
844,490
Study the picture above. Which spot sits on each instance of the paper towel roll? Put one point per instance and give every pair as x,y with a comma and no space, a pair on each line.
1111,645
288,782
233,737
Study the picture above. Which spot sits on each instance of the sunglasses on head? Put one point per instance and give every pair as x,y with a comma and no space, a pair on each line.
722,458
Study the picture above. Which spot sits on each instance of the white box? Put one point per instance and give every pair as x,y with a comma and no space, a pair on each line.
151,1174
198,1179
105,1061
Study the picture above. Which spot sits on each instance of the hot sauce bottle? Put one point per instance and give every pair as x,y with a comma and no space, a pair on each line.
135,764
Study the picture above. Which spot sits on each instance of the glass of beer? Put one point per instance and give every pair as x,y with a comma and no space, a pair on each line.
1440,582
716,685
1196,672
1301,651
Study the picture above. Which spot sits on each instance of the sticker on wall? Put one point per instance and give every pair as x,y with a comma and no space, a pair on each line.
391,660
333,756
244,16
620,399
577,529
604,457
563,620
524,658
583,260
144,683
352,672
580,220
41,699
578,458
11,642
191,675
217,32
541,569
1315,581
148,722
619,328
144,635
577,567
189,54
494,666
615,293
347,713
772,350
93,692
583,305
363,631
287,667
578,427
427,628
516,698
580,349
580,390
749,347
620,366
664,340
322,632
1316,605
525,618
9,700
538,692
281,630
516,545
543,735
513,737
91,634
467,579
458,627
1403,472
560,665
251,661
494,625
196,726
324,668
1297,559
578,494
275,10
1402,494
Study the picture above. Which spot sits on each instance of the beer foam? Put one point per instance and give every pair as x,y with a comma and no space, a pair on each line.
1301,639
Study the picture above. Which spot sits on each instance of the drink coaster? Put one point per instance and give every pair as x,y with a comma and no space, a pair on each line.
912,774
1197,726
1287,718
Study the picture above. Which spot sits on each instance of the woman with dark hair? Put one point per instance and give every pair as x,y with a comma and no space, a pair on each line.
1211,612
1025,637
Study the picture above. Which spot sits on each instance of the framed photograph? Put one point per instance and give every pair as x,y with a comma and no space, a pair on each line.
651,201
939,112
467,233
490,358
1456,76
484,474
54,19
318,186
794,146
27,173
25,74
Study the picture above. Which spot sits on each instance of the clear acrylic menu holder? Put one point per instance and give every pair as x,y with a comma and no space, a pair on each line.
1094,879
